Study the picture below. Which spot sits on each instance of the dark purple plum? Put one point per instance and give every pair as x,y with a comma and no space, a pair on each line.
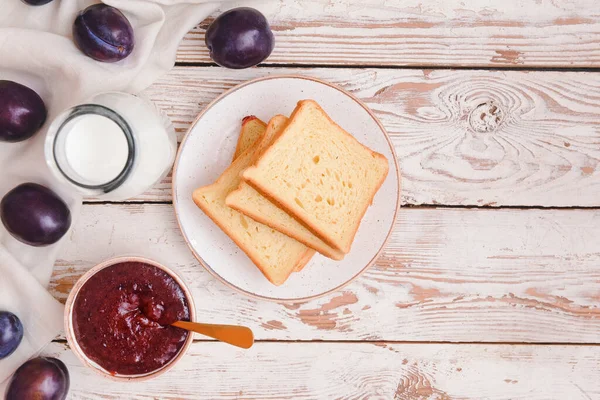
103,33
35,215
240,38
22,112
36,2
41,378
11,333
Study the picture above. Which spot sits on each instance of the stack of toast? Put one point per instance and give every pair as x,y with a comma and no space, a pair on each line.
296,186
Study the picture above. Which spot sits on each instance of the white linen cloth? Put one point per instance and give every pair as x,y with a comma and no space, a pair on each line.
37,50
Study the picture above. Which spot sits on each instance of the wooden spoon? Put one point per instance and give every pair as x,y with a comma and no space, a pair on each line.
239,336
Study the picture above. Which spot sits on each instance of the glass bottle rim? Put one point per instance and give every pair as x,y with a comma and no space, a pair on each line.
97,109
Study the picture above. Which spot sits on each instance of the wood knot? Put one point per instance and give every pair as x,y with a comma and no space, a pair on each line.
486,117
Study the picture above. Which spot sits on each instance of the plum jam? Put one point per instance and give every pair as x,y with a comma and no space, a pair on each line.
122,317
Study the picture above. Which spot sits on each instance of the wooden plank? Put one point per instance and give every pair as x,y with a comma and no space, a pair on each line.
511,33
358,371
462,137
446,275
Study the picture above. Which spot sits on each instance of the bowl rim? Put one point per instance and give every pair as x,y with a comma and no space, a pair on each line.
219,98
68,319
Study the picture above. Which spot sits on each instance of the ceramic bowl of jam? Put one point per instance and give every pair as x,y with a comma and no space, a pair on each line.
118,318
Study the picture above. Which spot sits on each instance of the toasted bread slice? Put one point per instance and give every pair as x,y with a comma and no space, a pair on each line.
252,130
319,174
251,203
274,253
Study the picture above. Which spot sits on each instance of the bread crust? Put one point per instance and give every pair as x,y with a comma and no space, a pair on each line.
308,255
245,122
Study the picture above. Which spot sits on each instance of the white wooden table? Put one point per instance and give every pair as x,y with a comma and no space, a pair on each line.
490,285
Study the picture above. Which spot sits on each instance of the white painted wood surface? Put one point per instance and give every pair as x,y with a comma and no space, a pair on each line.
456,275
359,371
543,151
508,33
474,276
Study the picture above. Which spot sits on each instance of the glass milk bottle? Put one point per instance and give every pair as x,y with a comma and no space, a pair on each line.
114,147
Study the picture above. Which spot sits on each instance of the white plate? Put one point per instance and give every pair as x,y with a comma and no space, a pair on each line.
208,149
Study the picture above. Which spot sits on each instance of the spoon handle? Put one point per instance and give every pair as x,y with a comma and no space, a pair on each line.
239,336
